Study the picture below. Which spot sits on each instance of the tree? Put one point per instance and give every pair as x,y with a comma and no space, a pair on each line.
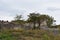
18,17
33,18
49,20
39,18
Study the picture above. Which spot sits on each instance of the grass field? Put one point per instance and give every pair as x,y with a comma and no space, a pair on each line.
27,35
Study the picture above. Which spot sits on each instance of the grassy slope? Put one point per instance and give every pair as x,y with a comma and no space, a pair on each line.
27,35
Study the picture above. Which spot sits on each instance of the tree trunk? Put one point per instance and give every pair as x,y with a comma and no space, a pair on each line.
34,25
39,25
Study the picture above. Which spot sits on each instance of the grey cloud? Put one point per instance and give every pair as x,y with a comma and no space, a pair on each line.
11,11
53,9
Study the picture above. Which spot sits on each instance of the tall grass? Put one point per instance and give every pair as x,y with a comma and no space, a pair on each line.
22,34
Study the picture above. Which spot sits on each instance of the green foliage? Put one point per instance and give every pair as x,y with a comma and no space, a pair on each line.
18,17
33,18
48,19
18,21
38,18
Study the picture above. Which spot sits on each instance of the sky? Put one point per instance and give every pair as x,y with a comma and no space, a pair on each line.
9,8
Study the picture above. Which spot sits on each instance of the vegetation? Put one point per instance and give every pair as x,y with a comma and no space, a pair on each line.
27,35
18,17
35,18
35,34
39,18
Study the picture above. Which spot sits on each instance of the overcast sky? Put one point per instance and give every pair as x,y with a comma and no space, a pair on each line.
9,8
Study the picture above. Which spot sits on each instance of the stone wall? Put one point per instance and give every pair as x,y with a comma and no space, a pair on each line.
10,25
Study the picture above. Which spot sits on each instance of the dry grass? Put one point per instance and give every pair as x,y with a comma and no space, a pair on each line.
22,34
